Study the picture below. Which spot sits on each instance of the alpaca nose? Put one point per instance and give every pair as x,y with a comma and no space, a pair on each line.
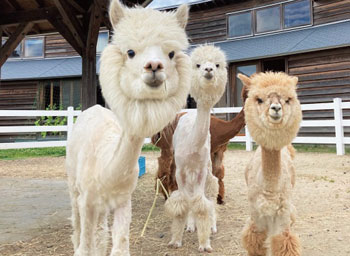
276,107
154,65
208,69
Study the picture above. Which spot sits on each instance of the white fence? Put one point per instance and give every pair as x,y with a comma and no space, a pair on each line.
338,123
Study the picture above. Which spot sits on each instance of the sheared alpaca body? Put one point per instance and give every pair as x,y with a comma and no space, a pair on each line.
273,115
145,82
221,132
192,149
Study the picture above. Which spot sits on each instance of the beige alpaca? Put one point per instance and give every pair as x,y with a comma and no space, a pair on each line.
273,115
145,80
192,150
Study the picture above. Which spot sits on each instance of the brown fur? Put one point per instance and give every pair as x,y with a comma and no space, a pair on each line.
285,244
253,241
221,132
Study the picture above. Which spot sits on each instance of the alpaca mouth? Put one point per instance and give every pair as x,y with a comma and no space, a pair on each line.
208,76
154,83
276,117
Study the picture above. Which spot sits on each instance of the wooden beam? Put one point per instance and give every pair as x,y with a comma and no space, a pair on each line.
103,5
71,20
17,17
89,81
145,3
1,33
40,3
76,6
64,31
14,40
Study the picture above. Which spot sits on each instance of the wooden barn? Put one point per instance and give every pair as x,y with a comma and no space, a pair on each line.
306,38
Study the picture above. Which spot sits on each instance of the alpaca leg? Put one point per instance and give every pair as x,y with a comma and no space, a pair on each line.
75,219
253,240
212,217
177,230
102,234
177,208
88,221
191,223
120,232
201,210
285,244
220,199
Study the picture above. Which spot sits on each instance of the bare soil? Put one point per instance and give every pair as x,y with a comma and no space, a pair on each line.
321,195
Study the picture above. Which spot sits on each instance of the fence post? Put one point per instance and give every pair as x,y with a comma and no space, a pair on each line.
339,131
70,121
248,140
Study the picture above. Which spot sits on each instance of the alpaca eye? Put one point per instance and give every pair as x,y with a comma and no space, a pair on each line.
198,66
287,101
259,100
131,53
217,65
171,54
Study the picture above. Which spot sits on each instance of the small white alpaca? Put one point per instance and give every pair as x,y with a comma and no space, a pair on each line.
192,150
145,80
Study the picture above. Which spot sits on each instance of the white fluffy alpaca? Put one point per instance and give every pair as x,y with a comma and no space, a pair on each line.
192,149
145,79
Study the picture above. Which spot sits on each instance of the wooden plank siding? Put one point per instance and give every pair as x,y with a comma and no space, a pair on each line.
57,46
326,11
323,75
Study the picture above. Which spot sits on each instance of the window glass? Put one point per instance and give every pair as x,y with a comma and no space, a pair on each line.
16,52
245,70
33,47
297,14
102,41
268,19
240,24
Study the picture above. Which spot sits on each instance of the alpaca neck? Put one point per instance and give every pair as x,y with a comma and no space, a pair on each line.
201,126
126,154
271,167
227,130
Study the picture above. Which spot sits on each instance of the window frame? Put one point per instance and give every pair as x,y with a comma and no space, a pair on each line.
302,26
240,12
33,57
253,11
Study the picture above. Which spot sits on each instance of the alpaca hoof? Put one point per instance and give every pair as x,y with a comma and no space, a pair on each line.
190,229
220,200
175,245
205,248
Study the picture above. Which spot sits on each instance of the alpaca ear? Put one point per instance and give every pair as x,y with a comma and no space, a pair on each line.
295,80
116,12
182,15
245,80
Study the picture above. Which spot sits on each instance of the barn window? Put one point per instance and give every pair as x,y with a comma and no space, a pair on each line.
34,47
297,13
102,41
240,24
268,19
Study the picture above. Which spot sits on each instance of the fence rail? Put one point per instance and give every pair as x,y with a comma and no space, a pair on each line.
338,123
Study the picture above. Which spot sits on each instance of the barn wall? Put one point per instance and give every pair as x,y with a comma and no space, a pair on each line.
210,25
57,46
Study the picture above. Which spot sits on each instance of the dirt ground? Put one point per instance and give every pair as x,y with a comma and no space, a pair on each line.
321,196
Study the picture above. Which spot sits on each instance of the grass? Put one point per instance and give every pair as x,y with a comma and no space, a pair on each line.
11,154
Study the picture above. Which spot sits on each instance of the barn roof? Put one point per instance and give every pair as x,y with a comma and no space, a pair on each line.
273,45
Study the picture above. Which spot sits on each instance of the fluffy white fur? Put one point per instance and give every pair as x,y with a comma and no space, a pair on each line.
192,150
273,116
104,147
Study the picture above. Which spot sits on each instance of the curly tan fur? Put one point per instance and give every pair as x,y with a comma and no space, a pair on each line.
254,241
273,116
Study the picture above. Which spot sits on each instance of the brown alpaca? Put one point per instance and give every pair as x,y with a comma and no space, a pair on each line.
221,132
273,115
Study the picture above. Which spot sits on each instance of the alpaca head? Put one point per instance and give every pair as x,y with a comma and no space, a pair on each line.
144,74
272,109
209,74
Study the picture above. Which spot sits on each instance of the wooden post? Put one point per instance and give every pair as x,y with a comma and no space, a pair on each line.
1,31
88,89
339,131
70,121
248,140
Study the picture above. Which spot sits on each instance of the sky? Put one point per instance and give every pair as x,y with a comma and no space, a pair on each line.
164,3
